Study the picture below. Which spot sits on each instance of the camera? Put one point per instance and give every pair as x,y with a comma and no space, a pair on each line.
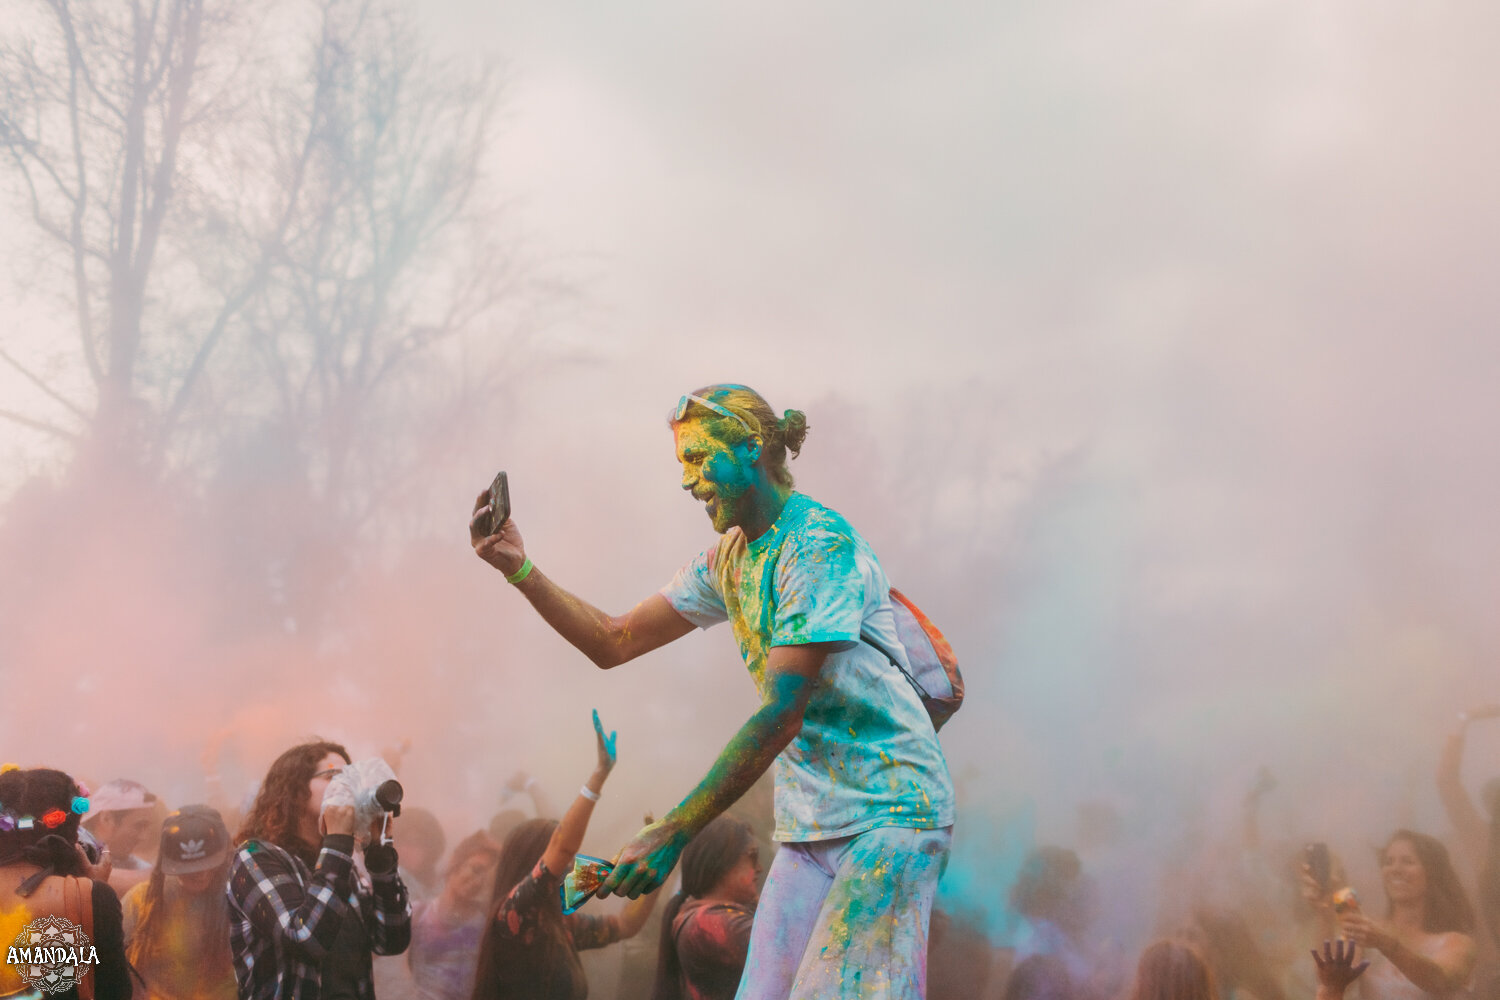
370,786
89,844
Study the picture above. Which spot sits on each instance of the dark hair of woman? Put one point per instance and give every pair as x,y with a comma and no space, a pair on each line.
39,793
523,848
1447,906
36,793
1173,970
707,859
283,797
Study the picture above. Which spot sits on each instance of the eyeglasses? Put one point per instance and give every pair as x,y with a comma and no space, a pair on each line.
682,407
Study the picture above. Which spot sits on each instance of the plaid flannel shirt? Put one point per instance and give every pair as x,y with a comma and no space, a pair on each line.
284,918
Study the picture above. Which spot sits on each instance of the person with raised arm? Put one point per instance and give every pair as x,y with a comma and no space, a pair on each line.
864,801
1424,946
530,948
1469,823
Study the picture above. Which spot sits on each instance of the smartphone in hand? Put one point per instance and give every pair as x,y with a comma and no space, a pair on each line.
499,503
1316,856
580,884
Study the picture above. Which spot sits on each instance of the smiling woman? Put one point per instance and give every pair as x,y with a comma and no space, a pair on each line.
1423,948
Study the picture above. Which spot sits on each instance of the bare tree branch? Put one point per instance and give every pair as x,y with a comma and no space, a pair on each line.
82,298
41,384
39,425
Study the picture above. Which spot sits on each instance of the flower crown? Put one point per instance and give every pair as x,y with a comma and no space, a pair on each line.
51,819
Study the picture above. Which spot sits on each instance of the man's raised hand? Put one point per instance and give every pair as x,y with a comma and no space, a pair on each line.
503,550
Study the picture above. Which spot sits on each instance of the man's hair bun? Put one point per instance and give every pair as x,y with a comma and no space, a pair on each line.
794,430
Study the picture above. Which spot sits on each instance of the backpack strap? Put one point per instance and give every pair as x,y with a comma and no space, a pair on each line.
78,904
916,685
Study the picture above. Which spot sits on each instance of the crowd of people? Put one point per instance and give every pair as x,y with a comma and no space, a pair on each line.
309,892
287,905
290,906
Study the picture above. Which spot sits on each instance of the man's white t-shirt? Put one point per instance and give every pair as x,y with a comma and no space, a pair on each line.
867,755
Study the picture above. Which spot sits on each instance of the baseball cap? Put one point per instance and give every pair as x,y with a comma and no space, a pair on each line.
193,839
120,794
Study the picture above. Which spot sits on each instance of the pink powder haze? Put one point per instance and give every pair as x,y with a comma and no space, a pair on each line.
1152,349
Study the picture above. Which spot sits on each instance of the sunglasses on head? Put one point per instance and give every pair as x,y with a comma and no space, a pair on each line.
679,414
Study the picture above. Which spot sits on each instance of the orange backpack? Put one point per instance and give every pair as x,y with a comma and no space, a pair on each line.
62,896
934,669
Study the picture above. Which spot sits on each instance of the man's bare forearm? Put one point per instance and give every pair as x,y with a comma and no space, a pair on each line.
747,755
592,632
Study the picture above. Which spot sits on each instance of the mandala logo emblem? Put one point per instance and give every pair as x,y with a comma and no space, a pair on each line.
52,954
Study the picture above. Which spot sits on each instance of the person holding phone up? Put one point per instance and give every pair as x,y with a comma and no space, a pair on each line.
1423,947
864,801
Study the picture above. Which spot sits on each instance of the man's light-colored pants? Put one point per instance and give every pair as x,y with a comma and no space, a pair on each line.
846,918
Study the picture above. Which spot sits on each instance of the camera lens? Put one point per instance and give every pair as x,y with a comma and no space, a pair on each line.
380,859
388,796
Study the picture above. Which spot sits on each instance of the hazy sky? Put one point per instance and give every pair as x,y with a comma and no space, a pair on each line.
1155,342
1210,288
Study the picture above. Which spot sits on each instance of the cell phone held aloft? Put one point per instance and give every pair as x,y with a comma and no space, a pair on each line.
499,503
1318,864
579,885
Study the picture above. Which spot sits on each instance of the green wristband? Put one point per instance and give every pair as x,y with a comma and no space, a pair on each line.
521,573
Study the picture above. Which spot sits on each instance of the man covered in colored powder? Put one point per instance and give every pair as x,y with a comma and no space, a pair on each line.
864,802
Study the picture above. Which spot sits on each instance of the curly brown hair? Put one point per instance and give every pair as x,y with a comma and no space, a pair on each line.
282,798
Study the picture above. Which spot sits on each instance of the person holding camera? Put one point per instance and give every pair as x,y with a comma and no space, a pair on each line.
303,922
864,800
